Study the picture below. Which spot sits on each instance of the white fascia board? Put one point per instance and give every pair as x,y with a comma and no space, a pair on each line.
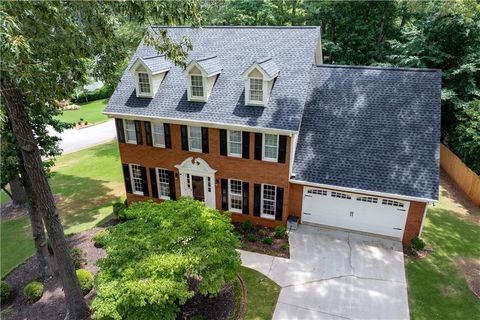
355,190
209,124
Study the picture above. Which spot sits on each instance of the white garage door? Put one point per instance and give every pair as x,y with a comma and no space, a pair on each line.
355,211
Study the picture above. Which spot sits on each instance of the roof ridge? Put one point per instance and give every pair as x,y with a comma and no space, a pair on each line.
262,60
377,68
151,57
206,58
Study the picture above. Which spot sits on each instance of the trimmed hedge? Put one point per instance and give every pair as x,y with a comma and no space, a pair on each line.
85,278
5,291
100,93
33,291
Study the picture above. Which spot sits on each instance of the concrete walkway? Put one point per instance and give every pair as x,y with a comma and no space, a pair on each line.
336,275
77,139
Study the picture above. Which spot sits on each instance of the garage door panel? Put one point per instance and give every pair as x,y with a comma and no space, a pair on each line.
353,211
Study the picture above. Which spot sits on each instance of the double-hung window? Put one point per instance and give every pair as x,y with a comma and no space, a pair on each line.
195,138
130,131
235,203
163,183
269,198
270,147
197,86
144,83
136,178
256,90
234,143
158,135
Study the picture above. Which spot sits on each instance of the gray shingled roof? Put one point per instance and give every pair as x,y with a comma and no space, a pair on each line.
269,67
292,49
375,129
211,65
157,63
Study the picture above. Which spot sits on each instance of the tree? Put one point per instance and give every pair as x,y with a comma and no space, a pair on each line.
161,256
46,50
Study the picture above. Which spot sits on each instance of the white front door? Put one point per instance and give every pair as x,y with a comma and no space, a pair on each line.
359,212
197,180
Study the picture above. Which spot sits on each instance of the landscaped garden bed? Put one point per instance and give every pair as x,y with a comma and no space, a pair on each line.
255,238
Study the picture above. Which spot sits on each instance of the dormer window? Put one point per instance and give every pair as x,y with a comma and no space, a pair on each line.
201,76
149,73
259,78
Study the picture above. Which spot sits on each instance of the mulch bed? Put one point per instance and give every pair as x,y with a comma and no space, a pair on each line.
471,270
416,254
278,248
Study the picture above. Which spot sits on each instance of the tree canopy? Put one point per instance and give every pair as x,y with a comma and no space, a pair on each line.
159,258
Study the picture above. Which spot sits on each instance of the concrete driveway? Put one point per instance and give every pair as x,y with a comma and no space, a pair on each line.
336,275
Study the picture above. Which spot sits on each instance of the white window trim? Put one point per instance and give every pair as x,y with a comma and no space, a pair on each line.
234,210
267,216
132,181
263,148
228,144
153,134
126,133
191,97
189,141
247,92
137,79
158,184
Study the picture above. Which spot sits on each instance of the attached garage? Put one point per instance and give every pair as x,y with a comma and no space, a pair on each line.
357,212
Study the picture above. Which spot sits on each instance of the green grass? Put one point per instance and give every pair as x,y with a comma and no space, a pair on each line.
89,111
437,287
262,294
87,182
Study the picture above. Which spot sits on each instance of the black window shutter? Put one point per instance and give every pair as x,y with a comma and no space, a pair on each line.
224,194
204,139
184,134
245,144
245,191
126,177
257,197
138,131
120,132
143,170
148,133
168,139
171,184
279,205
282,149
153,182
258,146
223,142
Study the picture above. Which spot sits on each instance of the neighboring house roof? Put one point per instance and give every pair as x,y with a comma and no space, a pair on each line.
291,48
375,129
155,63
211,65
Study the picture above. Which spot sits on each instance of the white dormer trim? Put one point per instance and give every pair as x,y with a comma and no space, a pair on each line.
267,84
205,81
137,83
154,78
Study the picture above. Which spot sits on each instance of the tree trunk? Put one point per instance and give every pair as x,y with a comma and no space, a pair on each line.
19,197
381,32
43,198
38,232
334,38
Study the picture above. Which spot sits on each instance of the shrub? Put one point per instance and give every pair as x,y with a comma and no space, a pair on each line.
264,232
417,244
267,240
285,246
98,238
280,232
252,237
247,225
33,291
5,291
78,257
100,93
118,208
152,256
86,280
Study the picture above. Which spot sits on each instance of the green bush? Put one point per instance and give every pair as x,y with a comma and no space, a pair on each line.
33,291
280,231
100,93
98,238
79,257
267,240
86,280
118,208
252,237
5,291
247,225
417,244
285,246
154,255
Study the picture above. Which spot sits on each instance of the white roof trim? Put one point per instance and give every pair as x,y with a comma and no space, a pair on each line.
139,61
355,190
194,63
255,65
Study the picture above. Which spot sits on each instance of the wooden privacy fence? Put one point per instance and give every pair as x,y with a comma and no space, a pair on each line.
466,179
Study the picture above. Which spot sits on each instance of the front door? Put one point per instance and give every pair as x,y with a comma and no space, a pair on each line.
198,188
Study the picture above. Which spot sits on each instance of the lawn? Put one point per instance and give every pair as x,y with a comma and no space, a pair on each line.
437,286
262,294
89,111
87,182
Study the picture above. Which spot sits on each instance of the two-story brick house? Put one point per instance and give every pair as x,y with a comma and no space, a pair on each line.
256,125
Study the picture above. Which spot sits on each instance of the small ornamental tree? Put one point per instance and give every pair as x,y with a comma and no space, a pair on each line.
161,256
